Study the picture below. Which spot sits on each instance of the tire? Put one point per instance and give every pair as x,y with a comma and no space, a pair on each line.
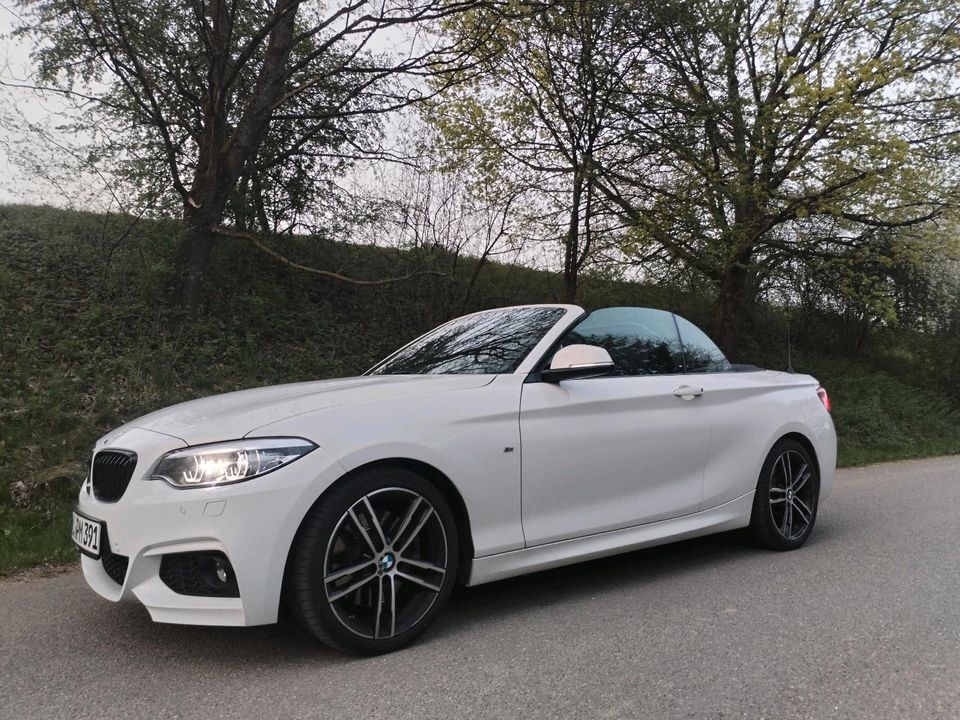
789,483
369,588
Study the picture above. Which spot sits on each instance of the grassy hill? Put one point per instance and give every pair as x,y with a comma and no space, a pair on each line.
88,341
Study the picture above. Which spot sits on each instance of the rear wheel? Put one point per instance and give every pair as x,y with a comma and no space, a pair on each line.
374,562
785,504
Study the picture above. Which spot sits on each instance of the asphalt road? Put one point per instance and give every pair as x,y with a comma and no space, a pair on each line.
863,622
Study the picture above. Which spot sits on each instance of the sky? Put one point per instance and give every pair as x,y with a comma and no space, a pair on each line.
35,152
16,185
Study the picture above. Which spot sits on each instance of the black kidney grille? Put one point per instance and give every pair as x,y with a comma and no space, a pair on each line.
112,470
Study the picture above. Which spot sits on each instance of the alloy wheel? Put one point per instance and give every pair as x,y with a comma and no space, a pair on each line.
792,500
385,563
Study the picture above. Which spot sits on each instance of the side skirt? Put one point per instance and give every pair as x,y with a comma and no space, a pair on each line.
729,516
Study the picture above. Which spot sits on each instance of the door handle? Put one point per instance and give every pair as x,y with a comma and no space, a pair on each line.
688,392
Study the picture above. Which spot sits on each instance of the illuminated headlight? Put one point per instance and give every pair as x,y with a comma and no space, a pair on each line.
229,462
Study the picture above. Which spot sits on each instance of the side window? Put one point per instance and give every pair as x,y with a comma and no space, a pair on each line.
640,341
700,353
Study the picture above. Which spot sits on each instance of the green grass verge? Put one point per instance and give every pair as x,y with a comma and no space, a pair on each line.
28,539
881,418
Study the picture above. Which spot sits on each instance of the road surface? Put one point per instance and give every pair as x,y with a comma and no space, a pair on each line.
863,622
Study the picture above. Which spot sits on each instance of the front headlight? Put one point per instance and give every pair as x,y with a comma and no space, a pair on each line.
228,462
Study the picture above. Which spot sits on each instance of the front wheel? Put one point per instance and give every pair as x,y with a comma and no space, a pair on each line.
374,562
785,504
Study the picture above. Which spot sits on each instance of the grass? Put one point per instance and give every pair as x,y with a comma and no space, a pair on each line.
89,340
880,417
27,540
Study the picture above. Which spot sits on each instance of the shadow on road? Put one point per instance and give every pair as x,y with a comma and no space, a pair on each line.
133,632
572,583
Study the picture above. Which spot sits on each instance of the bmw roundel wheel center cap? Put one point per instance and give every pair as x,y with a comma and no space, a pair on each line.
387,561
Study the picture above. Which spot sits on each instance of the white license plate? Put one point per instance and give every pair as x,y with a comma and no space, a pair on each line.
86,535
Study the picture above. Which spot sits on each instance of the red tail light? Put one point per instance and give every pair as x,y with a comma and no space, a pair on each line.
824,398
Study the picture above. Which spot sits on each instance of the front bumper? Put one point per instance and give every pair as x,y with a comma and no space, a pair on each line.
253,523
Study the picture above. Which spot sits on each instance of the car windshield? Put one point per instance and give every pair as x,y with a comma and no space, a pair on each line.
491,342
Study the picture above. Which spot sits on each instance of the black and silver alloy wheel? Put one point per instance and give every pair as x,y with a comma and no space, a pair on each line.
791,495
374,561
785,504
385,563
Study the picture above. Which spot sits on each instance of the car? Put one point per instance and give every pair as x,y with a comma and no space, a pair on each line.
503,442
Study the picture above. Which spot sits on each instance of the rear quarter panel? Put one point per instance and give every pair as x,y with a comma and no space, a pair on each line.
751,412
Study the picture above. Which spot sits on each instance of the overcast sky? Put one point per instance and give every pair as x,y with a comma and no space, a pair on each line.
15,186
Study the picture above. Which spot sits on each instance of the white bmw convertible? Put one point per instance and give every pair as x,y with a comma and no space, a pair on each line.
500,443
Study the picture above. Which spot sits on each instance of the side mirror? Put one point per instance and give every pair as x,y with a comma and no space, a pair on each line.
578,361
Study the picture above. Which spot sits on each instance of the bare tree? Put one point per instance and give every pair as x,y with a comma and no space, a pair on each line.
231,103
426,207
535,107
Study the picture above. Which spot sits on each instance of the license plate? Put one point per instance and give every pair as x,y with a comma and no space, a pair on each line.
86,535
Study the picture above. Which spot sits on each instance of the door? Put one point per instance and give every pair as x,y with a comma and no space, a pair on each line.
611,452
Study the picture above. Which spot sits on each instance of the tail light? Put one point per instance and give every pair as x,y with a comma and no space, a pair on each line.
824,398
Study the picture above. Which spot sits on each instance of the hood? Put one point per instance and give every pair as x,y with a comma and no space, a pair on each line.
236,414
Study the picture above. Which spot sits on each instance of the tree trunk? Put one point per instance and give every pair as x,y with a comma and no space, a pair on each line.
570,282
192,258
736,286
225,150
571,245
203,212
733,300
241,204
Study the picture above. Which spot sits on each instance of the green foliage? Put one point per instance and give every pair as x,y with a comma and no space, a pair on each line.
880,417
88,340
28,539
785,133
